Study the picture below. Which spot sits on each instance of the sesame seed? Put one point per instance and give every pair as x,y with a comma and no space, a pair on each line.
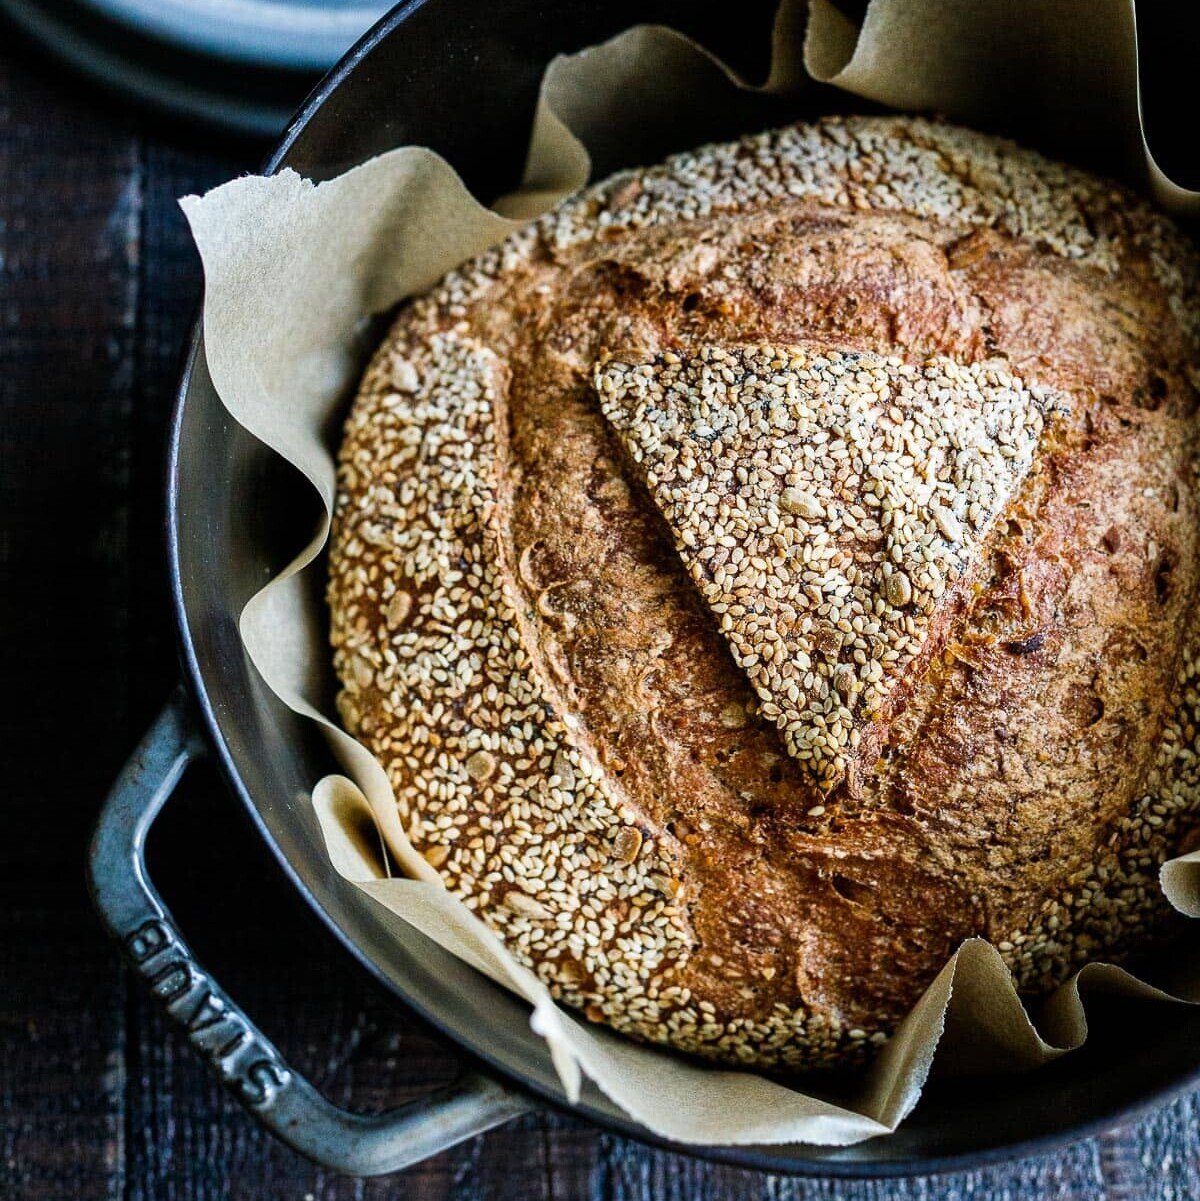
627,843
398,610
404,375
795,500
899,589
481,766
947,523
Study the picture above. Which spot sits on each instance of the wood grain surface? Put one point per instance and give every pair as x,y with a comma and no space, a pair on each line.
97,1098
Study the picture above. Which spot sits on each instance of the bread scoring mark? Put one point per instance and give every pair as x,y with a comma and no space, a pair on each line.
825,503
491,783
494,789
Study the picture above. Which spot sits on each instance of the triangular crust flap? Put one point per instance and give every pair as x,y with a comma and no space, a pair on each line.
825,503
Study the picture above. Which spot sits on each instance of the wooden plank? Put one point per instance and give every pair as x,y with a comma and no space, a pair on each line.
61,1059
631,1173
1157,1157
70,210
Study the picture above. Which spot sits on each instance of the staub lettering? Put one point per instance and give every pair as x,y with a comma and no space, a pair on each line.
197,1004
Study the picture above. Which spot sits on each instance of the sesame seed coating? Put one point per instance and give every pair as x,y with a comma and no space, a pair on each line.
771,567
877,456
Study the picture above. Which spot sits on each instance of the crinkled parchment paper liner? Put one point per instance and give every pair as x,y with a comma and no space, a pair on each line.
292,272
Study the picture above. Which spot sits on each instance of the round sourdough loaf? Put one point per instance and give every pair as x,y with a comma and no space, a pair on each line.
770,568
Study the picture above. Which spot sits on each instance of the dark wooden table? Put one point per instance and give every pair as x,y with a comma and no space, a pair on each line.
97,1098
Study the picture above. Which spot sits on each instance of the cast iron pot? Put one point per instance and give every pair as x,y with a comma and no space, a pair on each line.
462,77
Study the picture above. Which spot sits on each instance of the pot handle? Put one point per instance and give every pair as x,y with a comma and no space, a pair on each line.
240,1055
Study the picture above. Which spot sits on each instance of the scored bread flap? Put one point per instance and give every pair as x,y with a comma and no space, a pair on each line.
831,507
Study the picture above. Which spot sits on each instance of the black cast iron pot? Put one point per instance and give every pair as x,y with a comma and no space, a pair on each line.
462,77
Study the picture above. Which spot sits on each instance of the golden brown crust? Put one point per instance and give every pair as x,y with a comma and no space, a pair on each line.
571,739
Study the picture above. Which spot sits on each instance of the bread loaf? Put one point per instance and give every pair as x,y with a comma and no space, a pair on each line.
770,568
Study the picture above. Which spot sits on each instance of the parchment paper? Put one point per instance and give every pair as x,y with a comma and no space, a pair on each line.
294,270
